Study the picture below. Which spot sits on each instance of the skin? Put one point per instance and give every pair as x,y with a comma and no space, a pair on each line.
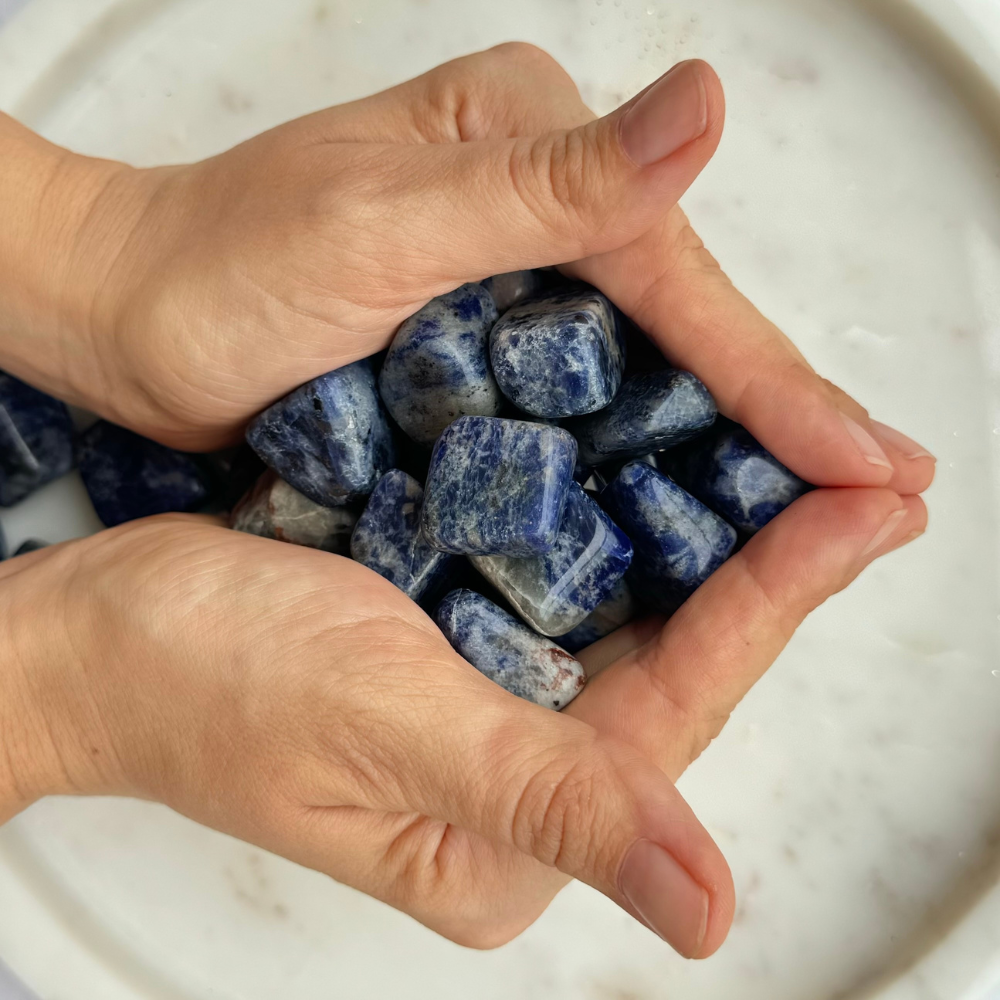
293,698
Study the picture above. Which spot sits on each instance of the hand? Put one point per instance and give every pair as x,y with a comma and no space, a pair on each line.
298,701
205,292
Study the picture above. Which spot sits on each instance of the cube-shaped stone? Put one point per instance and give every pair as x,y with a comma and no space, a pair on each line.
437,368
497,487
36,439
509,653
556,591
614,612
330,438
560,355
389,541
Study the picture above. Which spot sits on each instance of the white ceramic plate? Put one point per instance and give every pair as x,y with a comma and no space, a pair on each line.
856,794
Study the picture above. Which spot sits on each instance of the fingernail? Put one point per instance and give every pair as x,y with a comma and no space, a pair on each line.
666,897
883,534
867,445
672,113
899,441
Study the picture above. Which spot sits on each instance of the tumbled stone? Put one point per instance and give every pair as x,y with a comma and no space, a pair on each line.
388,540
514,287
128,476
738,478
273,509
329,438
31,545
678,541
556,591
438,369
497,487
614,612
651,412
36,439
559,356
509,653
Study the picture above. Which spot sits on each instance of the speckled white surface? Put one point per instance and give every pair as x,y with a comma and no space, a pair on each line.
856,793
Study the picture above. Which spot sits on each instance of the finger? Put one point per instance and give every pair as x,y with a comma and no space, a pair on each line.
694,673
514,89
672,287
461,211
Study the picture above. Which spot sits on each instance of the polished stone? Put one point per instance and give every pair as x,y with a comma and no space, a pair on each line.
330,438
509,653
614,612
559,356
497,487
36,439
389,541
651,412
556,591
740,480
678,541
514,287
438,369
128,476
273,509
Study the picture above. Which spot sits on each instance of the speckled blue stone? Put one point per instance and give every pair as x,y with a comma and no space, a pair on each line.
329,438
554,592
438,369
559,356
678,541
497,487
388,540
651,412
128,476
614,612
739,479
514,287
36,439
509,653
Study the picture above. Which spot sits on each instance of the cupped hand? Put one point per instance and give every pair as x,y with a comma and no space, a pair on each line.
298,701
216,288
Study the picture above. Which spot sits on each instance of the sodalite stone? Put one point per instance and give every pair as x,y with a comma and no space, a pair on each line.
329,438
739,479
651,412
273,509
388,540
128,476
679,542
509,653
559,356
614,612
554,592
497,487
36,439
514,287
438,369
31,545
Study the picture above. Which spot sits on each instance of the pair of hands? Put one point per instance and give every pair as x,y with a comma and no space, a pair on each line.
297,700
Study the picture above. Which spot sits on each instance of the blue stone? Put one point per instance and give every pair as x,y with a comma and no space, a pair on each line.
514,287
128,476
31,545
509,653
36,439
273,509
559,356
329,438
388,540
614,612
739,479
438,369
497,487
554,592
651,412
679,543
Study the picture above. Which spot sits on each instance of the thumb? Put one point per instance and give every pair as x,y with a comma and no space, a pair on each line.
479,208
